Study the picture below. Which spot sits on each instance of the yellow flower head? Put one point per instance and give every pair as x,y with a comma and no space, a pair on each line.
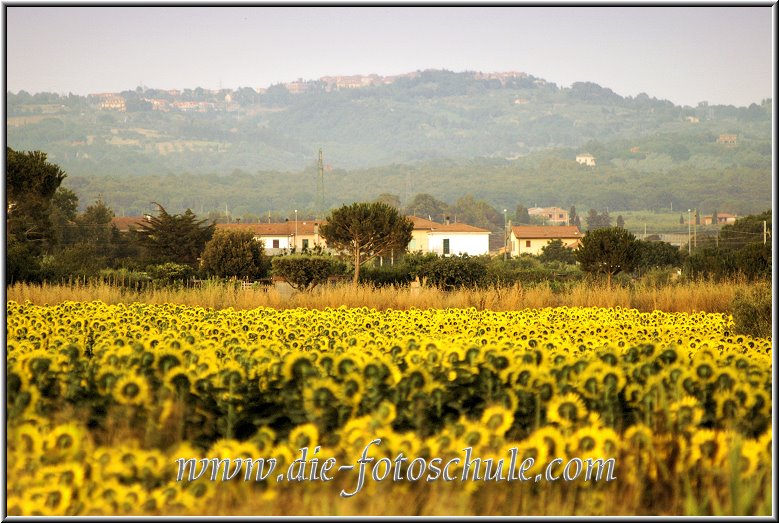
566,409
131,390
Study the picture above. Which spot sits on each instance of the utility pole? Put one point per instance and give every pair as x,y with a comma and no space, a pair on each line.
695,231
505,235
765,231
644,238
321,188
689,233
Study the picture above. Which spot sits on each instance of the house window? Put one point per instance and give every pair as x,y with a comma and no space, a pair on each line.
560,216
446,245
527,243
275,244
305,244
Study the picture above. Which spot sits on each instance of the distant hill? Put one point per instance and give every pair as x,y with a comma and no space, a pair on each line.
422,116
505,137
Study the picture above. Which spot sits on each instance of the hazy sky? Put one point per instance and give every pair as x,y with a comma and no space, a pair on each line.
686,55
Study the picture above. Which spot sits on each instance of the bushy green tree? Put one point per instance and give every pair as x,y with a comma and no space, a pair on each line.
745,230
304,272
657,255
555,250
424,205
93,228
477,212
608,251
521,215
64,209
170,273
598,221
234,254
573,218
738,249
455,271
30,183
178,238
366,230
754,260
392,200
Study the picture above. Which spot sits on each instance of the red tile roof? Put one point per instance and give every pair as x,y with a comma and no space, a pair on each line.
125,223
552,231
458,227
273,229
422,223
428,225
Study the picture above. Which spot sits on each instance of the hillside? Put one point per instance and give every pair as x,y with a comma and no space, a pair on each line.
433,132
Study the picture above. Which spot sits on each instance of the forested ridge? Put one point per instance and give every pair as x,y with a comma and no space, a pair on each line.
442,133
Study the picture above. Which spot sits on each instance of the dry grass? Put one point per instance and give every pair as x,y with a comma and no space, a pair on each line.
707,296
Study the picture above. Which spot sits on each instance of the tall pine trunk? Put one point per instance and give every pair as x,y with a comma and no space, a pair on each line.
356,266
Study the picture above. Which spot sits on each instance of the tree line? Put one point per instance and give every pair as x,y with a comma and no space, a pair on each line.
49,240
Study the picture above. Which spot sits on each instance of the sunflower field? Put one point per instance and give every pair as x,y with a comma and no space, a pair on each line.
103,399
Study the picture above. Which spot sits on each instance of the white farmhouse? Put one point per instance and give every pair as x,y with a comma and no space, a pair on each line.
586,159
447,239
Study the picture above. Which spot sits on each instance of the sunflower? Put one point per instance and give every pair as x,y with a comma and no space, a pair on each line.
196,494
64,441
707,448
321,395
704,370
759,402
298,366
263,439
408,443
385,413
566,409
474,435
725,378
442,443
28,439
284,456
106,378
610,440
131,390
534,447
69,474
686,413
553,440
587,442
51,500
109,493
351,390
730,407
750,458
497,419
178,379
639,455
166,497
306,435
152,464
765,440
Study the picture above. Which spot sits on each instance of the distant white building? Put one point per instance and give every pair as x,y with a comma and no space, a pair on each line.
586,159
551,215
447,239
280,237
